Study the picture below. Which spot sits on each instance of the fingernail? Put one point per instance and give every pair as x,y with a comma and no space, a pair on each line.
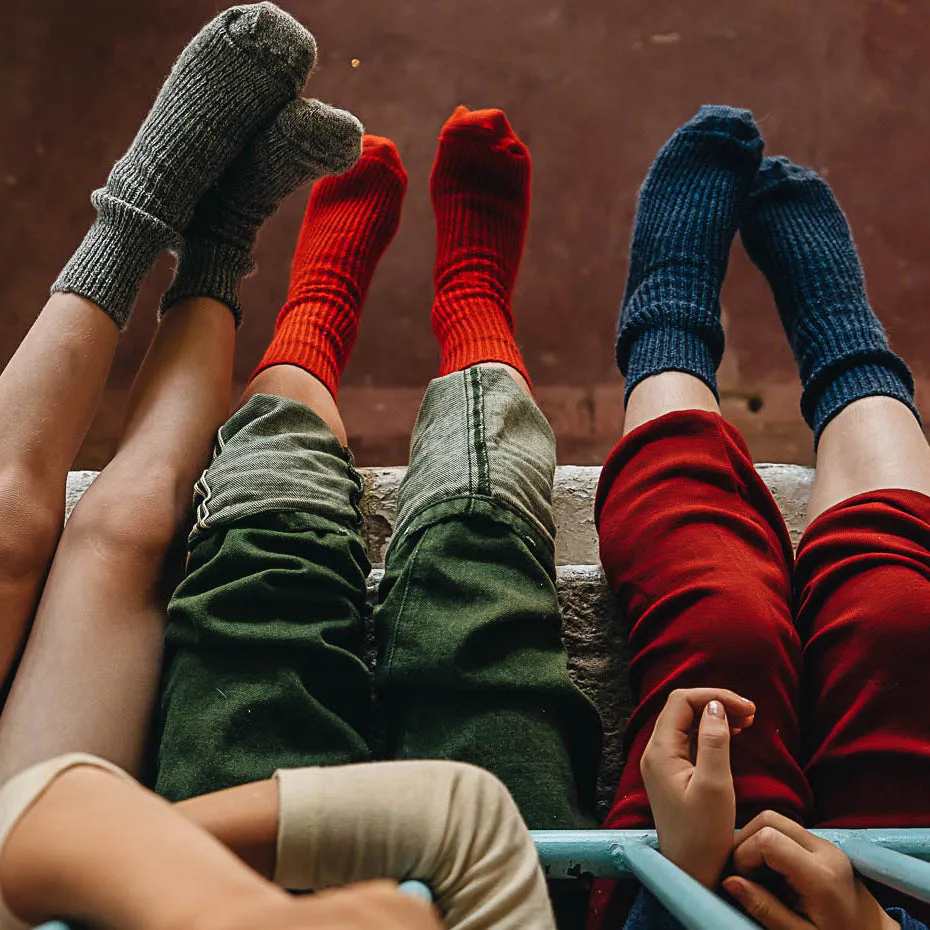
715,709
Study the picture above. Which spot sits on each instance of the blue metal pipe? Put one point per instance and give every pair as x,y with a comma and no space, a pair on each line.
688,900
601,853
903,873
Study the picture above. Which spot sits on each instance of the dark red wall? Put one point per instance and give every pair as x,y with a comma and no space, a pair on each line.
593,86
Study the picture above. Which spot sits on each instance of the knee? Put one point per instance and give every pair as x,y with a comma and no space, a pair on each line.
31,516
128,516
729,621
887,625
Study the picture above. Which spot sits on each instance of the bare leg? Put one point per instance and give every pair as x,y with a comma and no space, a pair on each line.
89,674
48,393
873,444
517,377
297,384
665,393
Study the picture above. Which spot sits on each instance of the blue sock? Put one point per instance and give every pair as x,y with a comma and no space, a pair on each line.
795,232
690,207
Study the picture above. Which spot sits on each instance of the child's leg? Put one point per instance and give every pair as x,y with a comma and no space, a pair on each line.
97,640
863,567
49,391
472,665
692,542
95,646
265,632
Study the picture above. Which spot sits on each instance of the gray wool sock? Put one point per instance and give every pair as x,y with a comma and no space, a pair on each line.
307,140
236,73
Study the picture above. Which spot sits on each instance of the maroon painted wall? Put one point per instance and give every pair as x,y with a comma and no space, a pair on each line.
593,87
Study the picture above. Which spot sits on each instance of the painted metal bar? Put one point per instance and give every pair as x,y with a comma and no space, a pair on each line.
416,889
903,873
600,853
688,900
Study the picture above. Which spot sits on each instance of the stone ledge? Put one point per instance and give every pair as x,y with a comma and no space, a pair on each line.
573,498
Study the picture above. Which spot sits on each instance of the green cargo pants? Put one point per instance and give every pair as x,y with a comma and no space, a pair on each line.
266,632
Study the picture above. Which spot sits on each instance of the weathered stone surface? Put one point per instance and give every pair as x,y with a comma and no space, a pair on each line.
78,483
576,542
593,630
791,487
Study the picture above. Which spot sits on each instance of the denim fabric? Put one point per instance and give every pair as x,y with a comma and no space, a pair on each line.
471,664
266,631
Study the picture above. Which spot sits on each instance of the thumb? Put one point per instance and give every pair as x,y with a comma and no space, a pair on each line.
713,743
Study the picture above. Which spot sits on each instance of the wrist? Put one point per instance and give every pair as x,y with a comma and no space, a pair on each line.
705,866
877,918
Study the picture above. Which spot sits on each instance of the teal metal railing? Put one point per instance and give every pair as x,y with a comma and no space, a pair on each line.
899,859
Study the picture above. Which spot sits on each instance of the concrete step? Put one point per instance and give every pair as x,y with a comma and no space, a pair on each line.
573,498
592,629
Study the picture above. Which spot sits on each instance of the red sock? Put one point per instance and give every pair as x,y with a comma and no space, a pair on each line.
349,222
480,187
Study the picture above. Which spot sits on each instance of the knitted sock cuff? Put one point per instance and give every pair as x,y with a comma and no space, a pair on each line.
209,269
868,379
115,255
668,348
459,354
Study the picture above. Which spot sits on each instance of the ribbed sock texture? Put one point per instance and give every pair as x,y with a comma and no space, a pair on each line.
307,140
348,224
480,188
232,78
796,233
689,210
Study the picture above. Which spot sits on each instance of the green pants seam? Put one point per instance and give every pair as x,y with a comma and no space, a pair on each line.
478,436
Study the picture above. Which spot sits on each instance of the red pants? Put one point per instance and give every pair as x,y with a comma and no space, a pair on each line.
833,647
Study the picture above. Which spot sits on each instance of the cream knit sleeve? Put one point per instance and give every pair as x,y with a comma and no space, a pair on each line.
453,826
22,791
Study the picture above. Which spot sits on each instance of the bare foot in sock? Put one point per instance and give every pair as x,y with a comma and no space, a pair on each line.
349,222
797,235
307,141
480,188
689,210
236,73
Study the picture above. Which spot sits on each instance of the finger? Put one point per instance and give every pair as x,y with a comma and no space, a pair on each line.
713,744
784,825
769,847
763,906
676,721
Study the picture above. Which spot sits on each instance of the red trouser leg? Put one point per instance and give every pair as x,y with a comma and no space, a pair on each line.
699,557
863,595
863,583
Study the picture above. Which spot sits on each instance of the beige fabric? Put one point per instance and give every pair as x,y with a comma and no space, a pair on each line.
21,792
453,826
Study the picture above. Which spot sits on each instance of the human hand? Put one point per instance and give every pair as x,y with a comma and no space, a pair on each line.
823,890
686,771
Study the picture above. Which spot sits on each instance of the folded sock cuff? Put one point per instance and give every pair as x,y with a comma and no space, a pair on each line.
864,380
115,255
209,269
668,348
